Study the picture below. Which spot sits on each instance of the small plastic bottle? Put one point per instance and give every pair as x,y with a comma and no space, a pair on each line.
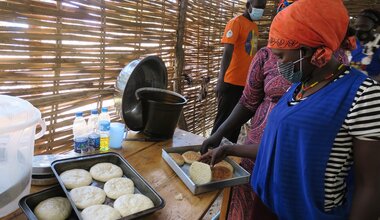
104,129
93,131
80,133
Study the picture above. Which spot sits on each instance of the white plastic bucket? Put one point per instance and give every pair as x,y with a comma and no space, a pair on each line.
18,121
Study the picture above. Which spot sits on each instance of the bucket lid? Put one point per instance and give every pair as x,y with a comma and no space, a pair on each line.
41,163
16,113
149,72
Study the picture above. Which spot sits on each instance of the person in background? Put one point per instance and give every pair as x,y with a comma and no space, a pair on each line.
264,87
240,40
366,56
318,157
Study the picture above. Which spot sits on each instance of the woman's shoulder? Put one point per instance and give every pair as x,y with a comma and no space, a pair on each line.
369,89
265,53
264,50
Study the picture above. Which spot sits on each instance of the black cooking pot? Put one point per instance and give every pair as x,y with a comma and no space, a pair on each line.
161,110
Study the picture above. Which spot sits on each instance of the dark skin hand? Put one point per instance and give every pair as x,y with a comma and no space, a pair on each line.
216,155
226,60
237,118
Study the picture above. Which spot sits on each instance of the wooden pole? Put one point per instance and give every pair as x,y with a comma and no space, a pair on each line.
180,55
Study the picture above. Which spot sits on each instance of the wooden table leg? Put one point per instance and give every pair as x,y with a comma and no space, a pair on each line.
225,203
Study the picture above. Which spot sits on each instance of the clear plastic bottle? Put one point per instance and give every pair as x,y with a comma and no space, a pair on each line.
93,131
104,129
80,133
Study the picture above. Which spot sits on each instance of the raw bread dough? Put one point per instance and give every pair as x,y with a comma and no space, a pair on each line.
117,187
105,171
132,203
177,158
191,156
57,208
87,196
100,212
200,173
76,178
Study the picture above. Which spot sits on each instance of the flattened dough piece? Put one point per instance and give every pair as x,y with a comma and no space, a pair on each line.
225,164
200,173
117,187
105,171
220,173
87,196
57,208
76,178
100,212
132,203
191,156
177,158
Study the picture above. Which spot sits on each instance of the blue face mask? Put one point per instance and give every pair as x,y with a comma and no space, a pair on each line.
256,13
287,70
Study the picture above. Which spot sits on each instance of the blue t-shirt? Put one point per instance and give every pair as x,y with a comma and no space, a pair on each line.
373,68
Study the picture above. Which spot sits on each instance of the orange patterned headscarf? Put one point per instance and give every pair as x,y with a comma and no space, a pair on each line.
318,24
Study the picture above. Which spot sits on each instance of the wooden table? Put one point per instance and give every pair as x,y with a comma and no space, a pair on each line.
145,157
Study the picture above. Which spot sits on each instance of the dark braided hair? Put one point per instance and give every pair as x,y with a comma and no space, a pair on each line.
372,14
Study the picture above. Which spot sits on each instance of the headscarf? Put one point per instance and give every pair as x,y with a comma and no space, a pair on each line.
318,24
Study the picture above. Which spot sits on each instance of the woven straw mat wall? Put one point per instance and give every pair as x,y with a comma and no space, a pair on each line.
64,56
206,21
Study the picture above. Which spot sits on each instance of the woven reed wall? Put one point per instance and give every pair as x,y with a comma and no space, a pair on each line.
64,56
206,21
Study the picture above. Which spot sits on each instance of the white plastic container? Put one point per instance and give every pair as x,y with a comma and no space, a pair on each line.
18,121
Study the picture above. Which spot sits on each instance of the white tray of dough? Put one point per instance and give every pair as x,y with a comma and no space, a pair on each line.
237,176
105,186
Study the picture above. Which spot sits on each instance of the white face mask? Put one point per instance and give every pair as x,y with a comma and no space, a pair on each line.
256,13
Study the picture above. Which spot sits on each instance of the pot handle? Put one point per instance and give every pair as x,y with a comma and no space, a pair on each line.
42,123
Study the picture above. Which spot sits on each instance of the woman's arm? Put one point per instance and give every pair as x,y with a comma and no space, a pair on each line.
214,156
366,201
252,97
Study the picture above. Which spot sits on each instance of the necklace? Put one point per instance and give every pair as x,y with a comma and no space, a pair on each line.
306,88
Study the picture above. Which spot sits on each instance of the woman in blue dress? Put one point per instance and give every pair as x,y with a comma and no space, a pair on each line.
319,154
366,56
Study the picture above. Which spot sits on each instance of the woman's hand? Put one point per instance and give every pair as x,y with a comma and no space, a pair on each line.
215,155
213,141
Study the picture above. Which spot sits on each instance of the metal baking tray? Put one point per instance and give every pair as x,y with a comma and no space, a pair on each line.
86,162
29,202
240,175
